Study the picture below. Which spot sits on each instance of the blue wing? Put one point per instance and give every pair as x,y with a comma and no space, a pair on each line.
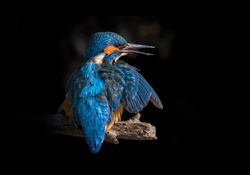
137,91
113,78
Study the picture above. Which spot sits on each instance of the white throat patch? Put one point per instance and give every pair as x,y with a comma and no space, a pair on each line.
98,59
123,54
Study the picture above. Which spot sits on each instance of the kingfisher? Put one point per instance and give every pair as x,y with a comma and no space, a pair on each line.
103,86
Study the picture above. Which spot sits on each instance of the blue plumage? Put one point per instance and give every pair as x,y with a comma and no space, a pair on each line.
114,84
103,83
88,103
137,92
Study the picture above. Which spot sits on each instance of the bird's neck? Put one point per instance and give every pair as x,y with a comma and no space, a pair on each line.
94,84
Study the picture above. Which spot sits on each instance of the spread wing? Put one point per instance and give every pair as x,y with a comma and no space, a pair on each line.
137,91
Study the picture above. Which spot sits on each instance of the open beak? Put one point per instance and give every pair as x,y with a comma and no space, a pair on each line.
128,47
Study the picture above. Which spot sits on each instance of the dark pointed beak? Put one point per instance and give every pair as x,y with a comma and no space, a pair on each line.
129,46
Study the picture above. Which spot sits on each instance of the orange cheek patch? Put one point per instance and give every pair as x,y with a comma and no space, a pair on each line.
110,49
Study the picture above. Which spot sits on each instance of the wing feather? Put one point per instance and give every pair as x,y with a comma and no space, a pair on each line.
114,84
137,91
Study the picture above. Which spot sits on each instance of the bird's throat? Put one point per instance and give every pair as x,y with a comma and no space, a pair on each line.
116,58
98,59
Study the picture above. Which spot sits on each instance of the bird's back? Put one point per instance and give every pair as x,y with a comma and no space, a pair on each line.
89,104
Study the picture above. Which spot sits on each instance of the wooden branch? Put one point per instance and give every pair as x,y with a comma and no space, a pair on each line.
132,129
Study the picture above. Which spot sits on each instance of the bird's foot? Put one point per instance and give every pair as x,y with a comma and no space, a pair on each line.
111,138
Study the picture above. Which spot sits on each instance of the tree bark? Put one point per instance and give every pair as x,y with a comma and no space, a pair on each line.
132,129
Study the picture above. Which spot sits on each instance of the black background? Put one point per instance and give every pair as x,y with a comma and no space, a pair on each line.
50,48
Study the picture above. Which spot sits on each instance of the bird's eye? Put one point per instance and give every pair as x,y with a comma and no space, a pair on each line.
117,45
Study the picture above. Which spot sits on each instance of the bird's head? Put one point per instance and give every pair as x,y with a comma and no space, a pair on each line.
109,47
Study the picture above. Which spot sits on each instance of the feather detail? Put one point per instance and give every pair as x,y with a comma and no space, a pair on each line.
137,91
152,94
117,117
90,107
66,107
